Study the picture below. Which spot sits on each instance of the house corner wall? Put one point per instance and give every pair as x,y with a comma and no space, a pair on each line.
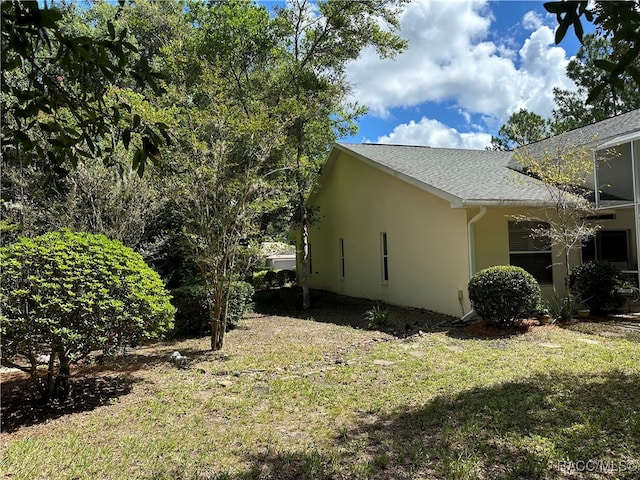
427,240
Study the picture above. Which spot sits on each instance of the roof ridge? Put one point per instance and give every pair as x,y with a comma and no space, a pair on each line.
395,145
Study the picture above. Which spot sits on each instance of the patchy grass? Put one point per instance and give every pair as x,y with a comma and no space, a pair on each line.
313,398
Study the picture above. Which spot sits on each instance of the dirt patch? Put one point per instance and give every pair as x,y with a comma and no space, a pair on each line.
327,307
620,325
483,328
612,326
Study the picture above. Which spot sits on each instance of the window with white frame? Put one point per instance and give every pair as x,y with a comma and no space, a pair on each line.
529,251
384,257
341,247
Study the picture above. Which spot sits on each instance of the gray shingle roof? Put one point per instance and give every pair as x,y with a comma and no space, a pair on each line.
591,135
481,177
463,177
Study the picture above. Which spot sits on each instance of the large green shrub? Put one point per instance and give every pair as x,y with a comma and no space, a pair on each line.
66,294
192,316
504,294
285,277
596,286
271,279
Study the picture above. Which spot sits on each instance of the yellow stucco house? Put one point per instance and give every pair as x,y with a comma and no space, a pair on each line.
410,225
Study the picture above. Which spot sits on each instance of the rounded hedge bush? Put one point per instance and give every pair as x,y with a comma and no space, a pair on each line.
596,286
269,278
504,294
65,294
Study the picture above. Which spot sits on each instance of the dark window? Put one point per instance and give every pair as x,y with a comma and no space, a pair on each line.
341,242
606,216
385,257
531,252
607,246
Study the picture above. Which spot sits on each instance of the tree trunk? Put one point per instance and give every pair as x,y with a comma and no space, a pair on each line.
217,321
215,327
304,217
304,263
48,388
214,333
224,314
61,388
568,267
57,385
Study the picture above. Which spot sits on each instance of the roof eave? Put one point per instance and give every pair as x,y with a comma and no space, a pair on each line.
619,140
502,203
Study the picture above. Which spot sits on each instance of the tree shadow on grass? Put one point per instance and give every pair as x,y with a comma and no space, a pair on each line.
607,327
327,307
93,384
526,429
142,359
22,405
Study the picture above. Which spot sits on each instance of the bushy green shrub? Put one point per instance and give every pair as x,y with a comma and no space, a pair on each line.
259,281
596,285
504,294
285,278
270,279
240,302
267,279
192,316
66,294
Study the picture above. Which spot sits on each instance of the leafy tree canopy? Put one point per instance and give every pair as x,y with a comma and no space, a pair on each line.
60,101
618,21
572,110
523,127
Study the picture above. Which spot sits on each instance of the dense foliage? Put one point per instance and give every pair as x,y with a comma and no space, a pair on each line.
571,110
240,302
522,127
191,318
596,286
248,100
504,294
64,295
269,278
616,21
192,315
58,99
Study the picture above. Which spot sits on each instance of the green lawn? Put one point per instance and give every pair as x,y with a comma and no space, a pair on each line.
296,398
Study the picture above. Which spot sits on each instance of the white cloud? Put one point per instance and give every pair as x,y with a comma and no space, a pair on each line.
532,20
450,58
434,134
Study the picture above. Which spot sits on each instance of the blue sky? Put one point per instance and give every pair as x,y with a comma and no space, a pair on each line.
469,65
